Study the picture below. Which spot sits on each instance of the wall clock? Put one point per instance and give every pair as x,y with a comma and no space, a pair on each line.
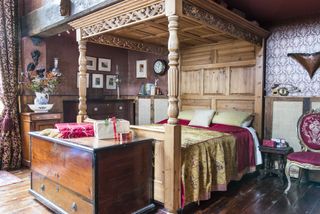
160,66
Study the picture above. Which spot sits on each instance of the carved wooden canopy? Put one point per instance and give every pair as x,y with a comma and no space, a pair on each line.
144,23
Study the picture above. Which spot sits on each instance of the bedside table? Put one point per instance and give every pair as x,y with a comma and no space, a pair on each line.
35,122
270,155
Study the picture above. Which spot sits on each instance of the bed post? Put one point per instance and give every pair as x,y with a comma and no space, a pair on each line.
82,78
172,145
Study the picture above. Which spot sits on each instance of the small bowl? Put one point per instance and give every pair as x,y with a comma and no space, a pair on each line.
40,108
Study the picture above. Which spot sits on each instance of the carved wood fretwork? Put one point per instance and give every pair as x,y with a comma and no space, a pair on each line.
216,22
126,19
130,44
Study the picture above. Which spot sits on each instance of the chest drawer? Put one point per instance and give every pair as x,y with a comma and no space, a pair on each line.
45,117
67,166
97,108
60,196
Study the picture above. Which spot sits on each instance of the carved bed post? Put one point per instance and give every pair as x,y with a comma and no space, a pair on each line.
82,78
172,145
173,73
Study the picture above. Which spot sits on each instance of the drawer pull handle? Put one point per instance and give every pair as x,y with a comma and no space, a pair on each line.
74,207
120,107
95,109
42,187
57,188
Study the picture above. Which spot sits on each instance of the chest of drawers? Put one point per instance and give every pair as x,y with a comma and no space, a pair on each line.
101,109
86,175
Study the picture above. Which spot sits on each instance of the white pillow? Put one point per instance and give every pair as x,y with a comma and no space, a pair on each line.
247,122
186,115
202,117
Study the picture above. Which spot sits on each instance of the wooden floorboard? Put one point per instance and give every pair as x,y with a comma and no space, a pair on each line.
15,198
248,196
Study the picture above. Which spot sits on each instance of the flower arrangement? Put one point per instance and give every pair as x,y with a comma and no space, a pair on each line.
42,81
38,79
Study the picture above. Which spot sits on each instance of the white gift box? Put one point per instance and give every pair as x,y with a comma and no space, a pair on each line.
104,129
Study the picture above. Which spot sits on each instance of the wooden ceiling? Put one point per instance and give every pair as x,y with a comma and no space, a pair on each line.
156,32
273,11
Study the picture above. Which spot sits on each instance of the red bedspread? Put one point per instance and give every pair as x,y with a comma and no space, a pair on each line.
244,141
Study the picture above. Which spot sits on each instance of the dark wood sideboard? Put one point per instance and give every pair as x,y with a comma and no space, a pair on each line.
101,109
86,175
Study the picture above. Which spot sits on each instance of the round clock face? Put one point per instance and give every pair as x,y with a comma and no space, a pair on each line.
159,66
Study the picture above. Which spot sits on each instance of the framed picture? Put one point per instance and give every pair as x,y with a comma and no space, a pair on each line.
91,63
111,82
78,80
97,80
141,69
104,64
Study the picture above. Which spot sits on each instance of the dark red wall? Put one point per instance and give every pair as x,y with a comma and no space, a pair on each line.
66,49
134,83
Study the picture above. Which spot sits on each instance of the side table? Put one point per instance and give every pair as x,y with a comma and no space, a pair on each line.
270,155
31,121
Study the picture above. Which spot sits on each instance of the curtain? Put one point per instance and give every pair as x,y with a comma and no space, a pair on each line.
10,140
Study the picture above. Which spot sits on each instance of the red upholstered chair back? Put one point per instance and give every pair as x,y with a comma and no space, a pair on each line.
309,130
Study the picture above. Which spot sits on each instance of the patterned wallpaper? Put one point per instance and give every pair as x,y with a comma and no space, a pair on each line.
298,37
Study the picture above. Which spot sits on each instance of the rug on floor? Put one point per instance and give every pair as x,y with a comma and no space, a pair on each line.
7,178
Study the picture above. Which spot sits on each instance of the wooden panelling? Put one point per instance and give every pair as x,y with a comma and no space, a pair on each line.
226,51
282,114
238,105
214,81
240,53
191,82
195,104
284,121
223,76
242,80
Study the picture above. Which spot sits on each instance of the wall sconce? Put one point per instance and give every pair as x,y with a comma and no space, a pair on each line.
310,62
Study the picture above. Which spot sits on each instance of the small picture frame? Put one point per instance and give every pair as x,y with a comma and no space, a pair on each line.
78,75
91,63
141,69
97,80
111,82
104,64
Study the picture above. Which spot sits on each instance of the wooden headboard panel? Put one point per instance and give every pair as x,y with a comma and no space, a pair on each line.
223,77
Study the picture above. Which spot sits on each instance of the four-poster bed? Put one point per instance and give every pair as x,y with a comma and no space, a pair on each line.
215,61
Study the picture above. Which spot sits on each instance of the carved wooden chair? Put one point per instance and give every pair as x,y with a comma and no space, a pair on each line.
309,135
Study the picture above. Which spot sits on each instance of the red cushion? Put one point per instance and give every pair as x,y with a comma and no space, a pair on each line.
310,130
305,157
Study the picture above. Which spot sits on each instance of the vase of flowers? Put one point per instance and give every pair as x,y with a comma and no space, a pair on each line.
43,83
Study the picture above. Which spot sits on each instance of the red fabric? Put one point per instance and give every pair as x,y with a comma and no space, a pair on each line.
244,140
268,143
75,130
305,157
310,130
